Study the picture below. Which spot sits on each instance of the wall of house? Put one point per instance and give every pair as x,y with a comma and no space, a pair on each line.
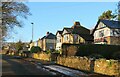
111,35
40,43
31,44
114,40
67,38
106,33
50,44
58,46
58,42
44,44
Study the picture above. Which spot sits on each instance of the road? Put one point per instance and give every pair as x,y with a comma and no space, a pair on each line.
20,67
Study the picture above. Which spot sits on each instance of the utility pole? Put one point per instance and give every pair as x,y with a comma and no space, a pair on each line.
32,31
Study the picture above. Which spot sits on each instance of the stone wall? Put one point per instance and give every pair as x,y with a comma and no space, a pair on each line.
81,63
102,66
42,56
107,67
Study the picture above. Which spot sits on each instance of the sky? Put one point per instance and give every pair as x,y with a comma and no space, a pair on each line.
53,16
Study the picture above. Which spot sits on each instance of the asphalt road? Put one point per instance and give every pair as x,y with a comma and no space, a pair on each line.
20,67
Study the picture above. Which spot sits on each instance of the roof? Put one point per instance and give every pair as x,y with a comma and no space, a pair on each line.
77,30
87,37
109,23
69,30
49,36
80,30
60,32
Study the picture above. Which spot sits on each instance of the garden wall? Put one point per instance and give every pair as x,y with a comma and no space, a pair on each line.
107,67
81,63
102,66
42,56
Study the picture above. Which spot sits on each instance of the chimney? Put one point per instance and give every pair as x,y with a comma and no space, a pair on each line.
76,23
47,33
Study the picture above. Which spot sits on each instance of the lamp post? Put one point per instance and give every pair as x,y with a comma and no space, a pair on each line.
32,31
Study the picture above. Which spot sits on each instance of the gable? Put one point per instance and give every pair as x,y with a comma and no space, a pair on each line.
58,34
64,31
101,25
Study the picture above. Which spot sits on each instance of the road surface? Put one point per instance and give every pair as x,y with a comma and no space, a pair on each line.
19,67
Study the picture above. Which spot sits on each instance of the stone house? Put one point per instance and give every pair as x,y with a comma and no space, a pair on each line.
107,32
77,34
47,42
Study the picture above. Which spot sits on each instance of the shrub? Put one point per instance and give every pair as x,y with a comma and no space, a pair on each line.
35,49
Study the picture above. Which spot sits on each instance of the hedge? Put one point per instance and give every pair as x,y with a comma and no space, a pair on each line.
107,51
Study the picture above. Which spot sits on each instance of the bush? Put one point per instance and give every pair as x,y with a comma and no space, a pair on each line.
35,49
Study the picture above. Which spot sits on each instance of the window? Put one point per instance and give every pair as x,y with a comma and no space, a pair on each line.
65,37
101,33
60,40
75,38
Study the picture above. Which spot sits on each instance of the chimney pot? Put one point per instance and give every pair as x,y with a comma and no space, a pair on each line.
47,33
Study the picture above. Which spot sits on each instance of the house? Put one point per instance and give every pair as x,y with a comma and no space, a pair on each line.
77,34
47,42
31,44
107,32
59,41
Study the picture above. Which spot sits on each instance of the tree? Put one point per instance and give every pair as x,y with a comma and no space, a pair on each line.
11,13
119,10
19,45
35,49
107,15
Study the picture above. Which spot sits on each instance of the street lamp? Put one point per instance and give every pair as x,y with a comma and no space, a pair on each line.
32,31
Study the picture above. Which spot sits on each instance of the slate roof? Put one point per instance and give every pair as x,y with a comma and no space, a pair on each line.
109,23
87,37
49,36
77,30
